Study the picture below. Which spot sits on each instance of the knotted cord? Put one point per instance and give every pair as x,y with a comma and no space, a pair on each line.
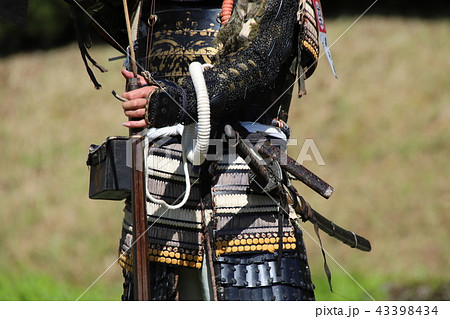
227,9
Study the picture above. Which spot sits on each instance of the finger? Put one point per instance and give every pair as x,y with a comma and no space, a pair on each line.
134,104
135,113
128,75
135,124
139,93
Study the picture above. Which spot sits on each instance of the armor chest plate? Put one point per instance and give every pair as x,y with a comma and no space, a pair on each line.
179,37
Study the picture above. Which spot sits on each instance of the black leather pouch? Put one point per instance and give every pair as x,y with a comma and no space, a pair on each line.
110,176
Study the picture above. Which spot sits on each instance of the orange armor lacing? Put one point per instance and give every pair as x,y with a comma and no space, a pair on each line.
227,8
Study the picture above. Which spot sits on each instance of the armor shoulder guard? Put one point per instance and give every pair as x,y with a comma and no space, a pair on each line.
109,15
105,17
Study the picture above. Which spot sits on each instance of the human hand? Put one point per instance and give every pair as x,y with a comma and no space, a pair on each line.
134,107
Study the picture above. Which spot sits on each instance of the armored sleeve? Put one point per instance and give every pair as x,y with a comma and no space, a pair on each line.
247,64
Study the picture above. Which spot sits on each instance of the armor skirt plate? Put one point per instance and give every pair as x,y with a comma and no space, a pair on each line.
248,261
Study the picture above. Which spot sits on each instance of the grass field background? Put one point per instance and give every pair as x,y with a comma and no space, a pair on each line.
382,129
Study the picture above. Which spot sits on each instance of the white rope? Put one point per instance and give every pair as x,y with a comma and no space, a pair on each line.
197,154
186,176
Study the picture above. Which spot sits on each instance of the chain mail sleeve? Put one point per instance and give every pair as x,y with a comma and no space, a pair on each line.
260,36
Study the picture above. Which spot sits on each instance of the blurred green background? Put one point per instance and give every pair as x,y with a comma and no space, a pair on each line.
381,128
